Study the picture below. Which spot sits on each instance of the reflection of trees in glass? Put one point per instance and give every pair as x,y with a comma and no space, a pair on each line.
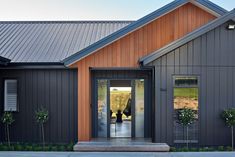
118,100
102,94
186,97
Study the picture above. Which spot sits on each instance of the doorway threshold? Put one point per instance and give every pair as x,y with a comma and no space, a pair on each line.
121,145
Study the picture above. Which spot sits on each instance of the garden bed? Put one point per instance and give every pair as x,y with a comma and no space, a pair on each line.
36,147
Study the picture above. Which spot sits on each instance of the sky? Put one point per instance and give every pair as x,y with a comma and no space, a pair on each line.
25,10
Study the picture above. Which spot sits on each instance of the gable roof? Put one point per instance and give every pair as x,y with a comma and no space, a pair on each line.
191,36
51,41
205,4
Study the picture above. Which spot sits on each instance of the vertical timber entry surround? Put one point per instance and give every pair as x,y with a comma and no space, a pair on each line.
126,52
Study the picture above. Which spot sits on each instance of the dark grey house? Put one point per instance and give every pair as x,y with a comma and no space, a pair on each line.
181,55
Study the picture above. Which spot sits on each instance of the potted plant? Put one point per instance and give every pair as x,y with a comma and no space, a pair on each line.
229,118
8,119
42,117
186,117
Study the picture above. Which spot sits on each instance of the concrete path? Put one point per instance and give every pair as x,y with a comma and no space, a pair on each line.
115,154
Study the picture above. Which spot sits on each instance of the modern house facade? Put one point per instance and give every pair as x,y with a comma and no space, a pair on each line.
179,56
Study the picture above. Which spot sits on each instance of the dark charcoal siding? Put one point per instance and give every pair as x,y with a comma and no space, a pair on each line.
56,89
212,58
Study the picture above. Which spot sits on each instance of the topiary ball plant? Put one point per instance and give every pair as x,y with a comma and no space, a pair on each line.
42,117
8,119
229,118
186,117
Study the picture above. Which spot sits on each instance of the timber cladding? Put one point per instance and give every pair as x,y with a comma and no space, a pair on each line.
126,52
55,89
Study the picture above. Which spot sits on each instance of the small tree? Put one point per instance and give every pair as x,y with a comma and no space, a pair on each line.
186,117
42,116
8,119
229,118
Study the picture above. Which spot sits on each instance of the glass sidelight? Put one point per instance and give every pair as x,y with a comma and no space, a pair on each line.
102,87
139,108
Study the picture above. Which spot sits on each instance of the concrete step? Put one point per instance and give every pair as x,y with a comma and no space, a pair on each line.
120,146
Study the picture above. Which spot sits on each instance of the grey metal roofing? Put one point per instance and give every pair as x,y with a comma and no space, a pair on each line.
191,36
51,41
139,23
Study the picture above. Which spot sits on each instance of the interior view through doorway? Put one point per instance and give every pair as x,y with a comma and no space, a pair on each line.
121,108
120,111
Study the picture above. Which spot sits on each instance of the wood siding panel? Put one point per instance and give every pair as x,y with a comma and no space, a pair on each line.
126,52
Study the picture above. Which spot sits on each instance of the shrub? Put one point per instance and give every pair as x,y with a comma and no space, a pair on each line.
186,117
8,119
29,148
229,118
229,148
42,117
221,148
54,148
173,149
70,147
18,147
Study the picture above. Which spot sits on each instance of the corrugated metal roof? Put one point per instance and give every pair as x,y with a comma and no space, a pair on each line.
51,41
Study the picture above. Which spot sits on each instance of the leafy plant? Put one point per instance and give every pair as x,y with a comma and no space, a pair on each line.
186,117
8,119
42,117
221,148
229,118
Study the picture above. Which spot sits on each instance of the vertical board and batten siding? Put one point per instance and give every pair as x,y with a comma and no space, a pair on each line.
56,90
211,57
126,52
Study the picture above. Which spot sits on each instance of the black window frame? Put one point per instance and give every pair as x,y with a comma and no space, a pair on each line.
198,114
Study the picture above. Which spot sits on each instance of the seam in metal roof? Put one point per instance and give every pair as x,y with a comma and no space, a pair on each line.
191,36
135,25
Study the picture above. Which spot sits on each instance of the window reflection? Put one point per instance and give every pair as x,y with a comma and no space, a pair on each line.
102,108
185,95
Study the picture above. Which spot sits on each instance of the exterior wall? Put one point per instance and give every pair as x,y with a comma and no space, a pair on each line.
56,90
211,57
126,52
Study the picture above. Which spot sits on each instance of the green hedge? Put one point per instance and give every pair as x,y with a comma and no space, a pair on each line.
204,149
36,147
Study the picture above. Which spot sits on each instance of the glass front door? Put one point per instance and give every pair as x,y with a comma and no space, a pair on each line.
120,108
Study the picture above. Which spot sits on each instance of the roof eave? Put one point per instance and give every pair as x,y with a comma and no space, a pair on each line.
4,61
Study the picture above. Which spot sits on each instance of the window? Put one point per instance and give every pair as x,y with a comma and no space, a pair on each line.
10,95
185,95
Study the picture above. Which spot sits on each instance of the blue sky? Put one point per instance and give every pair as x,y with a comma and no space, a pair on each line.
84,9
